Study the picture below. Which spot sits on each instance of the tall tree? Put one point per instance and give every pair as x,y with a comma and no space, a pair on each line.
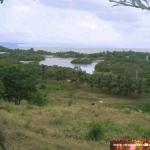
19,83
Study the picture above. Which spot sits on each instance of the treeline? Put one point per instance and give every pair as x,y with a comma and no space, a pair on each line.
121,73
121,76
22,81
124,82
129,56
117,84
37,55
21,55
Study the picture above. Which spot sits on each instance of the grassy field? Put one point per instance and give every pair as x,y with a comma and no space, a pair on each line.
63,124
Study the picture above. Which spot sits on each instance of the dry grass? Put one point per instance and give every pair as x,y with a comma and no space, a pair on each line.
62,125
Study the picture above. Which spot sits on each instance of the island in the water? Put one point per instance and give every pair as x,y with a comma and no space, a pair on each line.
81,61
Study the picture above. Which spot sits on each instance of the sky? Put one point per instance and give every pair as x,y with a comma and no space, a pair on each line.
73,23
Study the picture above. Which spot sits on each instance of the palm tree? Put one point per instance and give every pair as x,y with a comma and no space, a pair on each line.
143,4
1,1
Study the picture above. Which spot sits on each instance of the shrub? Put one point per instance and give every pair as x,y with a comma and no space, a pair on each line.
38,98
47,147
146,108
95,132
42,86
146,133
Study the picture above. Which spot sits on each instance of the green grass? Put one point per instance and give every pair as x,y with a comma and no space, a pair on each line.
69,118
9,108
55,86
58,121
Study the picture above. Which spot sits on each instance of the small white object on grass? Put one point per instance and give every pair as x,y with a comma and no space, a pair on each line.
101,102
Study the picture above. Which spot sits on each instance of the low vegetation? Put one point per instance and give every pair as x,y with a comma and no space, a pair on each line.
85,124
95,132
81,61
46,108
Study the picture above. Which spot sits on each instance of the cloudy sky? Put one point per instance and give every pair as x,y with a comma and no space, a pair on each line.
73,23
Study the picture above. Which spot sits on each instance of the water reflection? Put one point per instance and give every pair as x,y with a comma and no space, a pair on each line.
66,62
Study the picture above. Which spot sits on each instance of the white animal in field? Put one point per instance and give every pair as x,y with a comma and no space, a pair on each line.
101,102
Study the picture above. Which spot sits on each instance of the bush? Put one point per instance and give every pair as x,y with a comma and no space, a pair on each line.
95,132
146,108
146,133
81,61
38,98
42,86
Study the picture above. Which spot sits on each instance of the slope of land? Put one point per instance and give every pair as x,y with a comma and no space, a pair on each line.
63,123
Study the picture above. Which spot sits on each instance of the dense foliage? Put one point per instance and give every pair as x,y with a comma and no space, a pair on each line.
121,73
124,72
95,132
81,61
117,84
2,89
37,98
21,55
18,82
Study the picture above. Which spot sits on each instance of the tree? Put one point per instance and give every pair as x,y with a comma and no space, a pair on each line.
143,4
1,1
19,83
2,89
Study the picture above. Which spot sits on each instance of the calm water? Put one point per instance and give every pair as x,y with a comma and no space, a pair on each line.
66,62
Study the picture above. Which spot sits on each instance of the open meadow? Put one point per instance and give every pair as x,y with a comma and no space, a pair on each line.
65,123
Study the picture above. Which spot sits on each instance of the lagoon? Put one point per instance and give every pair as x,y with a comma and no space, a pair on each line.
66,62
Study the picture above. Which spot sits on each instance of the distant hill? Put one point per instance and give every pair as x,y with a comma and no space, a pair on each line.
4,49
9,45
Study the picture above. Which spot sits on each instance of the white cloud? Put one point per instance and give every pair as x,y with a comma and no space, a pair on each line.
34,22
27,21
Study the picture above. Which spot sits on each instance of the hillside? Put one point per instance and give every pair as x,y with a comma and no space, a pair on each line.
64,122
59,108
